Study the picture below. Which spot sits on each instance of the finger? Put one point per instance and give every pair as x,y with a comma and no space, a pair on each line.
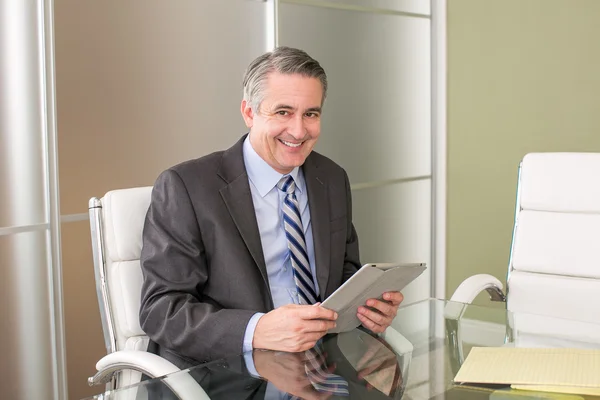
371,351
312,312
377,317
321,359
331,368
378,365
316,326
314,363
383,307
371,325
382,381
367,371
394,297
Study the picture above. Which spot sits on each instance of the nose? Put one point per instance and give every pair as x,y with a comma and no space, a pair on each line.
297,129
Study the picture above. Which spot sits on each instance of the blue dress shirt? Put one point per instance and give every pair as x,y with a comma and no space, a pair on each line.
268,202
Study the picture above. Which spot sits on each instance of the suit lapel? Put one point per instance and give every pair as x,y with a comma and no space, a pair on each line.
318,201
238,199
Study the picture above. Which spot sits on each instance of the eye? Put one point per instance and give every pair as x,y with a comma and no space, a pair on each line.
311,114
282,112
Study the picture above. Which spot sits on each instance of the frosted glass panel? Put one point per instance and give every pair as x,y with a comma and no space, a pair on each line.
25,333
22,168
377,118
394,224
145,84
409,6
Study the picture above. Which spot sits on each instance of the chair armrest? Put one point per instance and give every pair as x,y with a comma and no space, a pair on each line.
401,346
147,363
397,341
182,384
473,285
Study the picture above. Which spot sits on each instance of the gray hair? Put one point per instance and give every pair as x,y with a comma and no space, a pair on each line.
285,60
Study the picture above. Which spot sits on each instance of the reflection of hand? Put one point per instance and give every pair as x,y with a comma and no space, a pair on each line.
293,328
287,372
382,313
379,367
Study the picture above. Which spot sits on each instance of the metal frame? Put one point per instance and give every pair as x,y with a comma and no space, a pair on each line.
100,275
439,70
518,209
97,232
48,76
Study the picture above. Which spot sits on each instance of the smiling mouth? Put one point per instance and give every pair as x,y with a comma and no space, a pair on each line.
290,144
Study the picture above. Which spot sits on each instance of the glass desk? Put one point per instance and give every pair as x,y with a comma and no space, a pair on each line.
418,359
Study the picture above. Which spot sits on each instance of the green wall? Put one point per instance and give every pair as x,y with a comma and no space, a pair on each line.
523,76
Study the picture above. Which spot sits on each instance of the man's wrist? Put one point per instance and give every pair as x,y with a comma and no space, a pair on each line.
248,344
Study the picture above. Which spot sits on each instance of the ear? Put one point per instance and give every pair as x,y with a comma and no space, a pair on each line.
247,113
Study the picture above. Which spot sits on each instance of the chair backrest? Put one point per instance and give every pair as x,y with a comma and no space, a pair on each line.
117,221
554,266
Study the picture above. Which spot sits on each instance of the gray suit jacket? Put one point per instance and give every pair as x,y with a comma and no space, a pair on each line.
202,259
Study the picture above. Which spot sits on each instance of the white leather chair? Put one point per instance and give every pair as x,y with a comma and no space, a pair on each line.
117,222
554,266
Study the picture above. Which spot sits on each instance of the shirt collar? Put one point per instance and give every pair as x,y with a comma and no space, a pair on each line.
262,175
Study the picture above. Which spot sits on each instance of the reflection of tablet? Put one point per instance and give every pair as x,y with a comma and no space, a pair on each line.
372,355
369,282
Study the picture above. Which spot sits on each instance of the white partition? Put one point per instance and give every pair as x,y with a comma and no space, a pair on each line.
394,224
150,83
377,117
141,85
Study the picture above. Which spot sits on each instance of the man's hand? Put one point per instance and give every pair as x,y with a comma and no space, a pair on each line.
287,372
381,313
293,328
379,367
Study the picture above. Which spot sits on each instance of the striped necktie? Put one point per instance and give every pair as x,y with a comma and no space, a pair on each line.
321,380
296,242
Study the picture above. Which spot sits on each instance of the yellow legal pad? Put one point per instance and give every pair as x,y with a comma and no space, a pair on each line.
551,370
559,389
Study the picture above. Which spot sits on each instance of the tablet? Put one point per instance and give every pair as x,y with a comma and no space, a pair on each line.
369,282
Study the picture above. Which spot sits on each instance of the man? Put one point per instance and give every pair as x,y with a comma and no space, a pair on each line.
240,244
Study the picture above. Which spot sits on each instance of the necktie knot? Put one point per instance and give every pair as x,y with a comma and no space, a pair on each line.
287,185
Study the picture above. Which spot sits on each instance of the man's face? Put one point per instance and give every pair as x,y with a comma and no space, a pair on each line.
285,128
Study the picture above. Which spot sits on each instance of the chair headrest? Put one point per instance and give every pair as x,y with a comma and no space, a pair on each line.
561,182
124,212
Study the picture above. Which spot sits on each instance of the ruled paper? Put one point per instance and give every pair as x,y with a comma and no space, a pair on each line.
535,366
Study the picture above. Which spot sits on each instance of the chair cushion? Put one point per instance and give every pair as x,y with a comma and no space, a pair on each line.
556,296
124,216
542,331
125,283
558,243
563,182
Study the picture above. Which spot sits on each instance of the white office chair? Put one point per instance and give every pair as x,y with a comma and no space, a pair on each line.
554,266
116,223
